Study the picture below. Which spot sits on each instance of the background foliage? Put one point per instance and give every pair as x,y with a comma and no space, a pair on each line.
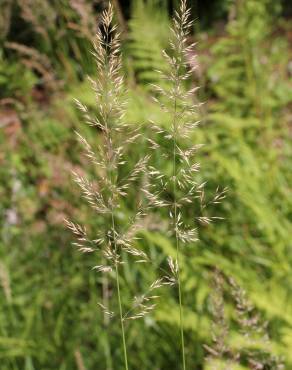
49,318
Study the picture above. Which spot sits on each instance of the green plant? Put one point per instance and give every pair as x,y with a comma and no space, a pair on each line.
180,186
148,35
60,32
113,183
255,349
243,72
247,118
10,85
45,286
104,196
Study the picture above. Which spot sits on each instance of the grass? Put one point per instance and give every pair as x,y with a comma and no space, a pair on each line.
46,286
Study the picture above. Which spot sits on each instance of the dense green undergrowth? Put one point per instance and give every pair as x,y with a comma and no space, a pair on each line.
49,318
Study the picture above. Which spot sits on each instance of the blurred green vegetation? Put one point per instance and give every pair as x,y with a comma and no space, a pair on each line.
49,318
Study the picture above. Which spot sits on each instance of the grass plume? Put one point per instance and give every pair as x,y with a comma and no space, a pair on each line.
105,195
114,181
179,103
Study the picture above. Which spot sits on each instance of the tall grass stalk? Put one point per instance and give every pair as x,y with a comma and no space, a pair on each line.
180,27
175,221
105,194
179,103
115,178
176,103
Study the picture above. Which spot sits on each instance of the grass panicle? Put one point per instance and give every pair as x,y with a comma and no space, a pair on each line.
179,103
113,181
219,349
255,351
255,331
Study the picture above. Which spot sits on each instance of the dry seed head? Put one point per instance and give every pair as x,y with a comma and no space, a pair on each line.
105,193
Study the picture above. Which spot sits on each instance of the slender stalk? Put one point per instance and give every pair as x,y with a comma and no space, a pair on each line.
182,123
110,151
180,310
117,267
121,318
109,141
178,103
175,220
105,301
178,276
109,92
119,293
